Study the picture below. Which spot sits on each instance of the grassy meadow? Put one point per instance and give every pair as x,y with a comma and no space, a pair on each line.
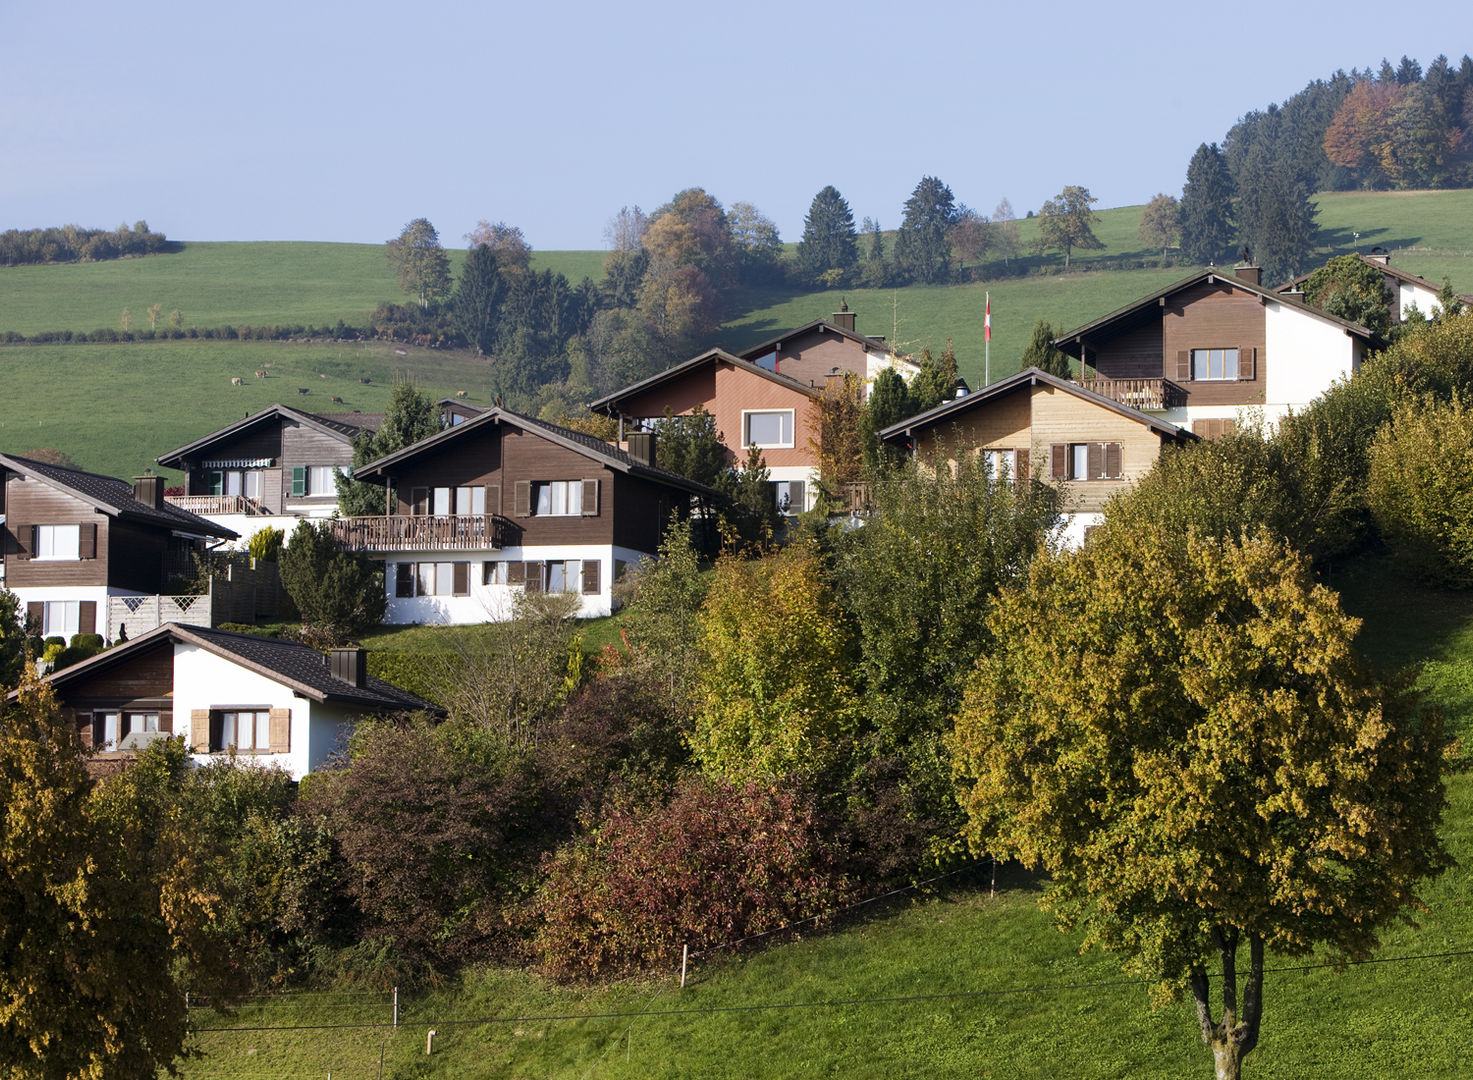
954,983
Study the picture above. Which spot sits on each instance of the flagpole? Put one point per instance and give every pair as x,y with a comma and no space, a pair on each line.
987,338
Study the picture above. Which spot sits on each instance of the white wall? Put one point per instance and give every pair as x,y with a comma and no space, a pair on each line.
203,680
1305,355
1423,296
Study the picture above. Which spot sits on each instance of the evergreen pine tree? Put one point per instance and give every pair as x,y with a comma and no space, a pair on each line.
1206,207
829,241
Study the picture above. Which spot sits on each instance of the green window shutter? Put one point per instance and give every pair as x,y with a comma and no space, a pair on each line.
299,479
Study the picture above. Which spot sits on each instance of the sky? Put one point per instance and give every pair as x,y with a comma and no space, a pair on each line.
342,122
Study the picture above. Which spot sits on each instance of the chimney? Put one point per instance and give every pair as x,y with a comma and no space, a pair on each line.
350,665
1250,274
149,489
642,447
843,318
1379,255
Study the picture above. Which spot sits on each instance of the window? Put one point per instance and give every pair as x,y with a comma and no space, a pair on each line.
787,496
58,542
432,579
245,730
494,573
110,729
768,429
321,480
61,618
1086,461
1214,364
470,500
557,498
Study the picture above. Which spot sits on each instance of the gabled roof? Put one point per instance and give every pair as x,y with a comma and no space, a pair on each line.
591,447
294,665
341,426
1385,268
1148,307
114,497
714,356
822,326
1027,377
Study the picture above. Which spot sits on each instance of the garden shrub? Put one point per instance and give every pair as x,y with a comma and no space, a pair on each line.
422,674
714,863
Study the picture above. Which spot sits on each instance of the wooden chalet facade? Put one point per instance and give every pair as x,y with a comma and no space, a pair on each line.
825,347
1404,291
1202,352
262,700
502,503
1037,425
270,469
73,540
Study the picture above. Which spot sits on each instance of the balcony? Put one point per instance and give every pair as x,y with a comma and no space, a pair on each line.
215,505
1145,394
421,532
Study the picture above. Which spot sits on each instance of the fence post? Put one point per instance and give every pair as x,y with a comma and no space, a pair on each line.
396,1006
684,956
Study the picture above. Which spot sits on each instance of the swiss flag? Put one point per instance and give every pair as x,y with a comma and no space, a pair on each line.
987,321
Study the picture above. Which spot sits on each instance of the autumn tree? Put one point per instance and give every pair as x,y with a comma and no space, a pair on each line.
1348,287
12,639
1067,222
420,263
1207,207
1210,770
506,242
836,421
1160,222
829,241
923,245
969,235
756,244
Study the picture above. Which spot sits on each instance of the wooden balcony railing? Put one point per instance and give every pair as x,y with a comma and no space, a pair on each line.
213,505
853,497
1138,393
421,532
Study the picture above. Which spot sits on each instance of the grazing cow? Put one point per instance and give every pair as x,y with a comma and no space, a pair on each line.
401,352
303,390
237,382
460,393
337,400
260,374
321,376
365,382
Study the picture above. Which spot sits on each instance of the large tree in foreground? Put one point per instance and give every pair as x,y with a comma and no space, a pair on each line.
1178,731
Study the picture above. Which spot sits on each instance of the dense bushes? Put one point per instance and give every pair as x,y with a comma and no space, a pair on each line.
714,863
340,594
1420,487
19,247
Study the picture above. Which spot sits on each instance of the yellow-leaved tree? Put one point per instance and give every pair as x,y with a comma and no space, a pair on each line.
1178,731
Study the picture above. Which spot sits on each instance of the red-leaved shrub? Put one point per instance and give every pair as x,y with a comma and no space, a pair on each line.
713,863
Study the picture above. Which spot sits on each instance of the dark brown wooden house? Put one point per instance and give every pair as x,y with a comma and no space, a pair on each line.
503,503
73,540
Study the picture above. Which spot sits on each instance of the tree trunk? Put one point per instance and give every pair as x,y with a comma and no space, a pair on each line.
1234,1037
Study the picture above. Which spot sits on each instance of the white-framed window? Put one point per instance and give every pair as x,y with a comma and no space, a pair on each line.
58,542
470,500
247,730
431,579
557,498
109,729
494,573
1213,365
768,430
61,618
322,480
999,464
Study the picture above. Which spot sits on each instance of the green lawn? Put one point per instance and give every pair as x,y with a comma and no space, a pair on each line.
954,984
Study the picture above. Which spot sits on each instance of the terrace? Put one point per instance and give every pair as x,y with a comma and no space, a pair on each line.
421,532
1145,394
215,505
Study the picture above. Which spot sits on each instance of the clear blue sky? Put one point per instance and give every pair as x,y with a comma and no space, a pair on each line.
314,121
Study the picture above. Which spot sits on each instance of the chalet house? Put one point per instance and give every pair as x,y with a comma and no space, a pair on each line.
752,406
811,353
74,540
265,701
1403,290
1037,425
1200,352
503,503
270,469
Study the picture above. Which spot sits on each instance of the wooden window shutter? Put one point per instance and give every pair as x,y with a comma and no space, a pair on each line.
281,730
1112,459
493,499
36,613
32,542
522,500
1247,354
299,479
1096,460
166,722
87,540
462,585
516,573
591,575
534,576
199,730
84,730
1022,470
1183,366
1226,427
590,498
1059,452
87,617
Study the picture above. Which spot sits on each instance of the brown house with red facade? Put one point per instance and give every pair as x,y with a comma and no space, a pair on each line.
502,503
1206,351
1037,425
74,540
